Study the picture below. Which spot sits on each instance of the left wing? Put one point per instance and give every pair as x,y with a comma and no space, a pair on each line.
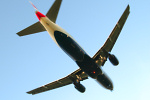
61,82
110,42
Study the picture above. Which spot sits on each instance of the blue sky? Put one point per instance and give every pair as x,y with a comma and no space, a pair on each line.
31,61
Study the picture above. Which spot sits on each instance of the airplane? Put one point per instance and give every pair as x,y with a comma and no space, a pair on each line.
88,66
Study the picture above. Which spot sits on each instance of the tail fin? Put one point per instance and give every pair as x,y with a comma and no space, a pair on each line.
37,27
33,5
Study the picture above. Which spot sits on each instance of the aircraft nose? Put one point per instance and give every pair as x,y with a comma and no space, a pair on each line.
110,87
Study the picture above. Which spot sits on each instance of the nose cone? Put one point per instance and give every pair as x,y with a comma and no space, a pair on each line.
39,14
110,87
105,81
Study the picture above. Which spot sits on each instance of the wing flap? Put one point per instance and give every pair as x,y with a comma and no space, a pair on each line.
35,28
61,82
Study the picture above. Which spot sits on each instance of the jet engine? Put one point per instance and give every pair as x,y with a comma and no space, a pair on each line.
79,87
113,59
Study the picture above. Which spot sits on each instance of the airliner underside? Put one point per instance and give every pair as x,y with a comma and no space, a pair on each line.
88,67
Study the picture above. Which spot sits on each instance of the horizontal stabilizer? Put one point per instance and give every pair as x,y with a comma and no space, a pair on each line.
35,28
53,12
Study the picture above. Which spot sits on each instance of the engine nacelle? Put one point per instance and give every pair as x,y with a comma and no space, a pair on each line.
79,87
113,59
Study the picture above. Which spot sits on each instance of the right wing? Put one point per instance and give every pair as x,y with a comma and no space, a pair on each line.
116,31
61,82
110,42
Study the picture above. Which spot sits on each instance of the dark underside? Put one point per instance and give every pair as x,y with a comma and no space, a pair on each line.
83,60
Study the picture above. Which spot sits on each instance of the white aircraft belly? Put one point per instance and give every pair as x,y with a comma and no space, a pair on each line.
52,27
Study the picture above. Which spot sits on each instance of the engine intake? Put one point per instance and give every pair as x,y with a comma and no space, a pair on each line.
113,59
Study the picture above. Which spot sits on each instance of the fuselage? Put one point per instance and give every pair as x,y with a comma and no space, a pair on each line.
71,48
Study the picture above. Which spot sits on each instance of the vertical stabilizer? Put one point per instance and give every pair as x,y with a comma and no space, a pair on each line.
33,6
